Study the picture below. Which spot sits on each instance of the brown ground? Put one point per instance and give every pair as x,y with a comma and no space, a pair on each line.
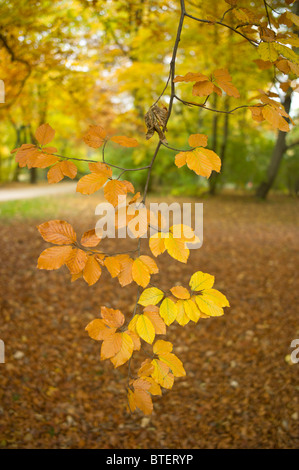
241,390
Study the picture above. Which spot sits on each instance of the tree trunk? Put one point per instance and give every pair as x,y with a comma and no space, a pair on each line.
277,154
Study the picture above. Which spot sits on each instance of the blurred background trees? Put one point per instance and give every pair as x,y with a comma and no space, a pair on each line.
76,63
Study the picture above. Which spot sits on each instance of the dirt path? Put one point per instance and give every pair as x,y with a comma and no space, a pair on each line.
13,194
241,390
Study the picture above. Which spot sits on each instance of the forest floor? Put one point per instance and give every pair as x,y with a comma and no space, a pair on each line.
241,388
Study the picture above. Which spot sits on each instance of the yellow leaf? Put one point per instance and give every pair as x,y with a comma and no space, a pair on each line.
198,140
202,161
168,311
162,347
216,297
162,374
58,232
201,281
125,352
155,388
156,243
174,363
145,329
191,310
267,51
150,296
182,318
132,324
176,248
208,307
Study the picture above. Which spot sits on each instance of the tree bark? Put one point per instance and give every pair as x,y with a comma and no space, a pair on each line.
277,155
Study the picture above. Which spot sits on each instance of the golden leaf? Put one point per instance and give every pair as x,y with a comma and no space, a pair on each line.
54,257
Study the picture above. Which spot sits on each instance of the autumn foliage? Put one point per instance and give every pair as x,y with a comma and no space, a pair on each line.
155,309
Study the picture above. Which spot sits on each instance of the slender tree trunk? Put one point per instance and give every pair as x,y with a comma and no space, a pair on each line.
277,155
33,171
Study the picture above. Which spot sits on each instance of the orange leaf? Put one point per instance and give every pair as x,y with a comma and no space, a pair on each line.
125,275
68,169
100,168
90,239
58,232
76,261
198,140
24,152
181,158
257,114
125,352
112,317
275,119
92,271
111,346
156,243
44,134
135,338
91,183
140,273
152,312
95,136
116,188
98,330
113,265
202,88
124,141
180,292
224,79
43,160
191,77
55,174
54,257
202,161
